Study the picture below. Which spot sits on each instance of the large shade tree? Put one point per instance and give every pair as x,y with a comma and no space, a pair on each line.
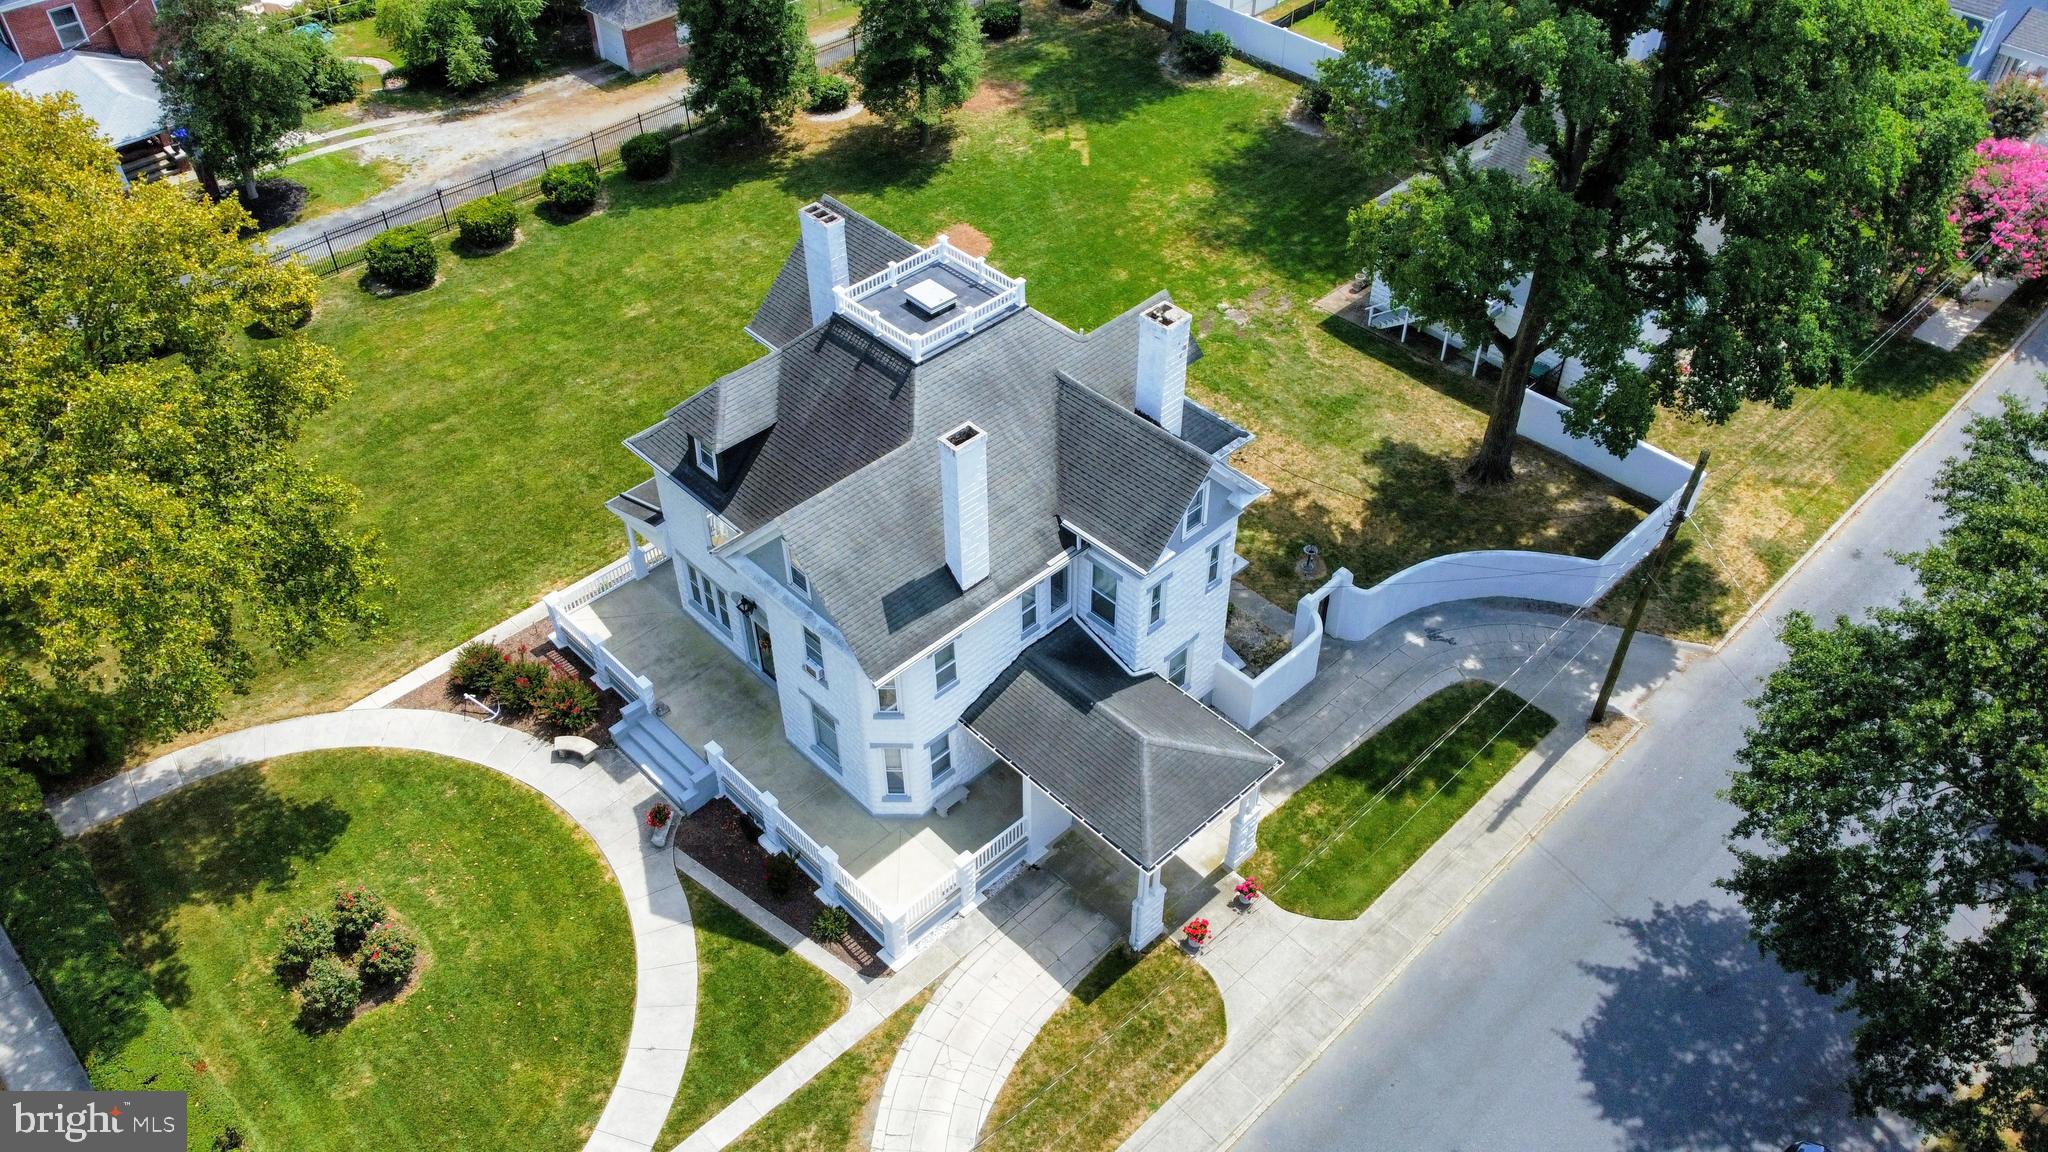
1893,842
157,523
918,60
239,84
750,61
1819,142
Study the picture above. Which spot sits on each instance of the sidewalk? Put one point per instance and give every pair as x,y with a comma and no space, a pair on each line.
1291,984
608,799
34,1055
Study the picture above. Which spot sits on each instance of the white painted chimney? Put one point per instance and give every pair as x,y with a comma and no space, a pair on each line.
1163,364
963,482
824,233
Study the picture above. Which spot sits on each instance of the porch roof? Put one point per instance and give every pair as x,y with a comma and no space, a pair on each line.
1135,758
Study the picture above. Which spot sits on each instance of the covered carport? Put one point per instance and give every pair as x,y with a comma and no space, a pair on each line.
1139,763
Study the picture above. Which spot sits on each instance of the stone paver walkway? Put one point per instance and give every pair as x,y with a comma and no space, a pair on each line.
608,799
945,1079
1952,321
1292,984
34,1055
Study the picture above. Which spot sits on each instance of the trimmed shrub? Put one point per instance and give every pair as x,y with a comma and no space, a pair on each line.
520,684
333,79
356,911
830,924
487,224
1203,53
570,188
329,995
53,911
476,667
1315,100
402,258
2017,108
387,956
1001,19
568,704
307,937
782,874
282,299
646,156
829,93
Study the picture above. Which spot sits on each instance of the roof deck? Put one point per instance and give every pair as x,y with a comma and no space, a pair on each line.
927,301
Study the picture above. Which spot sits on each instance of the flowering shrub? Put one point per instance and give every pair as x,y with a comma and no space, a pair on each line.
2017,108
1249,888
567,704
476,667
658,816
330,994
521,684
307,938
387,955
1198,931
356,911
2002,212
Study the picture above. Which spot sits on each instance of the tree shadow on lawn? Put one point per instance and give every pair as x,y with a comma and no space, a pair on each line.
1091,66
1285,198
1701,1041
215,842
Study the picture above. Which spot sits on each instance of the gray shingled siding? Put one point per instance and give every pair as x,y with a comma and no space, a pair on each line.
1136,758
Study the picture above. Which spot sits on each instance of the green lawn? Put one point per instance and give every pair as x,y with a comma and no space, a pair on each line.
830,15
485,425
336,180
757,1003
1317,25
1090,1078
835,1111
1334,846
519,1020
360,38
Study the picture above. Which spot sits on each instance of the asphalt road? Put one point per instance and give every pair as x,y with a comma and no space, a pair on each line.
1602,994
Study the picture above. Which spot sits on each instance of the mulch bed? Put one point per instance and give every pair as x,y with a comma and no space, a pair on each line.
720,837
441,695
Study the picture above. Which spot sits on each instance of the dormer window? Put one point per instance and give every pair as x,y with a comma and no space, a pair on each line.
798,580
1198,513
707,460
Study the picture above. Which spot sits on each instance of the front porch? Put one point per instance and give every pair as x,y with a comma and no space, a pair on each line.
705,723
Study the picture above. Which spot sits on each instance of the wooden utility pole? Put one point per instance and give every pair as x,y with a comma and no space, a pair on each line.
1651,568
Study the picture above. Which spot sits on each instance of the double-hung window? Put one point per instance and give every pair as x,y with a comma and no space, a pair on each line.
941,751
1059,591
885,700
943,668
892,773
1027,606
814,656
1215,563
1198,512
70,29
707,460
708,598
1155,614
1102,593
1177,668
825,736
799,581
698,584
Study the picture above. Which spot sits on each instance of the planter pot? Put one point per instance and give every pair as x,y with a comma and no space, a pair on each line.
1192,946
1247,903
659,836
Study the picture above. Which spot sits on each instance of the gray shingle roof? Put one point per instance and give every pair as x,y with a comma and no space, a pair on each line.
1980,9
786,312
2030,35
834,436
1137,759
630,13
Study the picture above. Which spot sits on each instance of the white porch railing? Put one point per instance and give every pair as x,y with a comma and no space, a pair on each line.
610,671
918,345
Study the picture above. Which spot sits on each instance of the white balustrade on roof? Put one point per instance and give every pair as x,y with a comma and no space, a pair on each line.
1009,294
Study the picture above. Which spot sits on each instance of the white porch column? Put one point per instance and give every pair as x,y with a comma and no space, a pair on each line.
828,884
1148,911
1044,820
771,825
714,755
895,940
1244,830
970,881
633,553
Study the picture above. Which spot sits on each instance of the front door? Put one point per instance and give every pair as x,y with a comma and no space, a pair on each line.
764,649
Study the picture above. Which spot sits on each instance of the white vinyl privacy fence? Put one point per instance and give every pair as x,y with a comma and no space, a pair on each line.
1353,613
1273,46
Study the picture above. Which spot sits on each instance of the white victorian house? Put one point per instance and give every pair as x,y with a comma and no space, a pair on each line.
932,580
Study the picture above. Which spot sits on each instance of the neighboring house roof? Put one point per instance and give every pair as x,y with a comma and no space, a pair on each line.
1135,758
834,435
631,13
1976,9
118,93
2030,35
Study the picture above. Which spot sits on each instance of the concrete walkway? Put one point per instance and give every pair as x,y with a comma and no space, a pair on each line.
945,1079
34,1055
608,799
1292,984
